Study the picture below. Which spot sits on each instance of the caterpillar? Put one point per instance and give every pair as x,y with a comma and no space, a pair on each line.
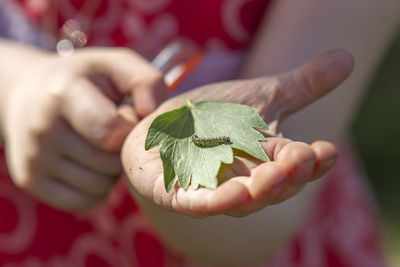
210,142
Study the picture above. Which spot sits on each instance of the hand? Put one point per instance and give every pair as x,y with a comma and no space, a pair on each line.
248,184
64,124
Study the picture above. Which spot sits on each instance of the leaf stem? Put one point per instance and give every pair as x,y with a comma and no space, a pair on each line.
188,103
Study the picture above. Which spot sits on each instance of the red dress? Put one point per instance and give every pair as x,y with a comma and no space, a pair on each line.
338,232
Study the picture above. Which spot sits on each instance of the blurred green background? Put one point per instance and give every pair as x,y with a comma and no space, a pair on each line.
376,134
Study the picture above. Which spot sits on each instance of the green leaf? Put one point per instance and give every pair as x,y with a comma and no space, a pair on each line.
187,163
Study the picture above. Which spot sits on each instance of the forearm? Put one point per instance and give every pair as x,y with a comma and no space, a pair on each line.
16,59
295,31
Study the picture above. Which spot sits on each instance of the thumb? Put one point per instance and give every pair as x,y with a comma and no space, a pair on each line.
314,79
131,74
278,96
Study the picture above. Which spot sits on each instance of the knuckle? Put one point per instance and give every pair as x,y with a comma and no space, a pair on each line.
157,77
273,95
277,90
56,89
105,141
111,136
98,133
302,84
55,93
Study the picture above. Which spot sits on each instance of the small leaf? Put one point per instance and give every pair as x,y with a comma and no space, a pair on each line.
187,163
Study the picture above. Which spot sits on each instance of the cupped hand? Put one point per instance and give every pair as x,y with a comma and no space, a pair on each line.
248,184
65,122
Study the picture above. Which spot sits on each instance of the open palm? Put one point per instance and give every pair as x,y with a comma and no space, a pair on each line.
248,184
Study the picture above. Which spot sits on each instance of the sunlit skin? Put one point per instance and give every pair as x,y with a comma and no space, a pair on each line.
291,33
62,124
248,184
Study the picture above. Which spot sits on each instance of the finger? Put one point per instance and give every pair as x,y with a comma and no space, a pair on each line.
199,202
147,97
303,163
269,182
299,159
94,116
291,166
132,75
265,182
108,88
205,202
77,177
37,181
326,154
316,78
58,195
72,146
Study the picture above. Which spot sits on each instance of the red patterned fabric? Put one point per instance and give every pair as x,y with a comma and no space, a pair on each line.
147,25
340,230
